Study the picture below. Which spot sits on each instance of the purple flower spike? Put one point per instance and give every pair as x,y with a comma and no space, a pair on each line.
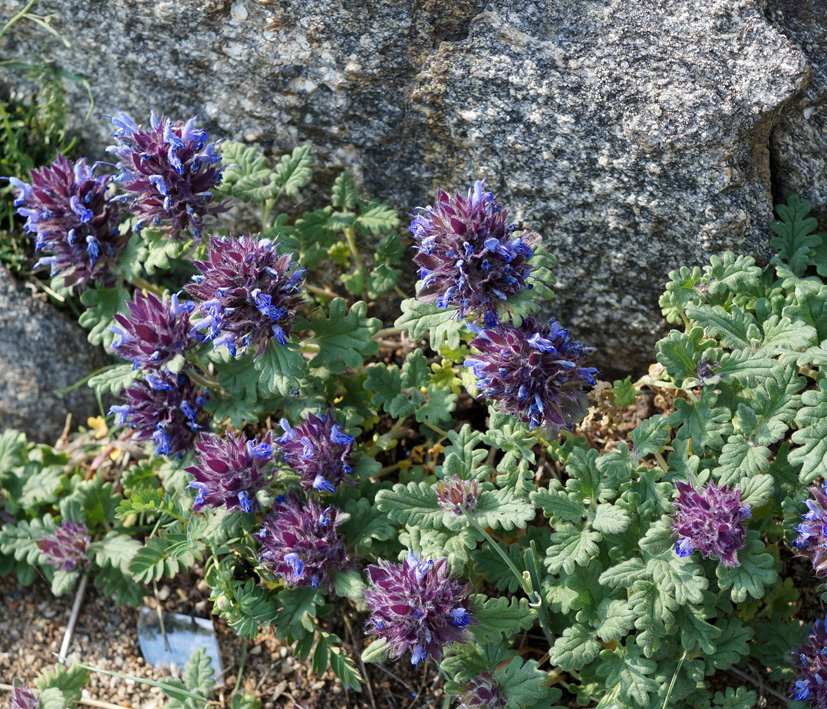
22,697
249,294
319,451
154,332
73,220
166,408
810,660
482,692
168,172
468,256
710,520
65,548
534,373
230,471
300,543
812,532
416,606
455,494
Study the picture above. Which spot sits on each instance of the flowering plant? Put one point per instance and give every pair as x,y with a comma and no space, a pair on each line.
433,469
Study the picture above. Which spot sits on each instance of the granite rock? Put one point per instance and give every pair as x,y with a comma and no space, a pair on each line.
799,141
633,135
41,350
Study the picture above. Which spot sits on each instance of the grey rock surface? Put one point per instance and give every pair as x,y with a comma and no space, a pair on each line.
41,351
634,135
799,141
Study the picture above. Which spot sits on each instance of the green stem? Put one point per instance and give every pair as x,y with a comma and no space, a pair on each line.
85,379
517,575
266,208
241,664
202,379
146,285
384,332
436,428
309,347
661,461
674,679
533,557
19,16
167,689
350,236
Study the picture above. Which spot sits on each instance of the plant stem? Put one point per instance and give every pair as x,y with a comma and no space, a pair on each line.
384,332
761,686
241,664
309,347
73,618
202,379
532,559
436,428
661,461
166,688
19,16
674,679
517,575
85,379
146,285
82,700
350,236
160,617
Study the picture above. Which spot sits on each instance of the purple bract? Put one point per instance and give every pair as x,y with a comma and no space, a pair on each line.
249,294
710,520
455,494
482,692
468,256
812,532
300,543
810,660
167,172
22,697
231,470
65,548
154,332
166,408
319,451
416,606
73,219
534,372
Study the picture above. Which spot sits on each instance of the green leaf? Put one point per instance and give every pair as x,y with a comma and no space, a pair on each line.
556,503
701,422
344,192
617,618
245,606
236,375
740,698
525,686
245,172
575,648
52,698
626,668
611,519
113,583
366,523
757,490
12,450
490,564
40,485
344,668
149,500
650,436
348,584
63,581
570,547
782,335
695,631
161,251
502,509
377,651
381,279
421,318
811,454
20,540
69,680
101,305
198,673
625,573
415,504
115,550
795,241
682,579
740,458
294,171
654,611
500,617
376,218
155,560
245,700
298,612
625,392
681,354
755,572
113,379
736,274
736,329
810,307
344,340
680,292
731,645
280,368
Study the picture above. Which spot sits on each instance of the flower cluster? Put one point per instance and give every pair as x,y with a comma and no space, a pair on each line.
319,451
416,606
533,372
65,548
166,408
468,256
710,520
812,532
167,173
482,692
22,697
455,494
248,293
230,471
74,221
300,542
154,332
811,665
